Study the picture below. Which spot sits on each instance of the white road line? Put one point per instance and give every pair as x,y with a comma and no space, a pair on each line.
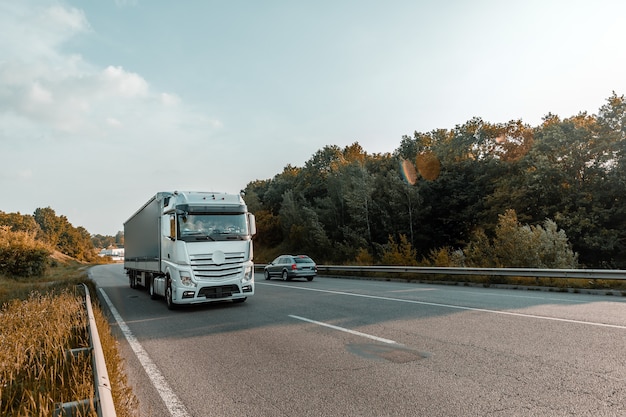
173,404
343,329
483,310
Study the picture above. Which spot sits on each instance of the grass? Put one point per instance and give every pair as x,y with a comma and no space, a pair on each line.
41,320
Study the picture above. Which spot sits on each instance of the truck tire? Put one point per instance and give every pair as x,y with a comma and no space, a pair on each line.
168,298
153,295
132,278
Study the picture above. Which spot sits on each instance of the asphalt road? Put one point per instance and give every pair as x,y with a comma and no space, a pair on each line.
341,347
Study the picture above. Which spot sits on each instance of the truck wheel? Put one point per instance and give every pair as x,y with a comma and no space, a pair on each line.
133,279
168,298
153,295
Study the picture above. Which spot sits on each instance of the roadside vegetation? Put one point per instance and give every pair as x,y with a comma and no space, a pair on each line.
560,183
42,318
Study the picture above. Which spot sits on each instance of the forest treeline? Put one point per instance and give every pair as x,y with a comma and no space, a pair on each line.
27,241
480,194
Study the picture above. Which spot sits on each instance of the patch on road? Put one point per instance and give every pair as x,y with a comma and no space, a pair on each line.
389,353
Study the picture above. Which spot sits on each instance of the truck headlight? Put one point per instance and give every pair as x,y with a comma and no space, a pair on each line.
185,279
248,274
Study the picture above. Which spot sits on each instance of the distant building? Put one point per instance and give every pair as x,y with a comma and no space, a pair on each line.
116,254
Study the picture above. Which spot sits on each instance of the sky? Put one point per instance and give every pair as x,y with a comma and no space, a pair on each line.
104,103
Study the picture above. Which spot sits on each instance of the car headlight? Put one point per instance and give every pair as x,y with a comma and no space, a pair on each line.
185,279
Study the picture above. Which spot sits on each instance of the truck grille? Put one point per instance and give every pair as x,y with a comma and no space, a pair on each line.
220,291
205,268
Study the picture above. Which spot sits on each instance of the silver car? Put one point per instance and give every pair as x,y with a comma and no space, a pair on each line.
290,266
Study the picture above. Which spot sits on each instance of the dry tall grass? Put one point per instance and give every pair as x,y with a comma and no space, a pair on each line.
41,322
36,369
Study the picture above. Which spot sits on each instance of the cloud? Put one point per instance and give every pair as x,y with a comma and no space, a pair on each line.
113,122
117,82
39,95
62,96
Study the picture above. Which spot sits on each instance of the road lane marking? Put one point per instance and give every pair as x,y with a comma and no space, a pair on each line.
414,290
173,404
483,310
343,329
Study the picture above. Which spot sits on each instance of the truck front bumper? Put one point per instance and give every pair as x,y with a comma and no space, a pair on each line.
210,293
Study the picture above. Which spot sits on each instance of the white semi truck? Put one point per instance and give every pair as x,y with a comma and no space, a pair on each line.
191,247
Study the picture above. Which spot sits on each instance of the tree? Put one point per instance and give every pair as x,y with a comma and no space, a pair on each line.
19,222
572,171
522,246
61,235
51,225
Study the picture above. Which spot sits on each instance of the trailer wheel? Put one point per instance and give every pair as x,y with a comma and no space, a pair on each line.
132,277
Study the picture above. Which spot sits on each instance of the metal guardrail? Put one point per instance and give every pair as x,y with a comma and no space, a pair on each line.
512,272
593,274
104,399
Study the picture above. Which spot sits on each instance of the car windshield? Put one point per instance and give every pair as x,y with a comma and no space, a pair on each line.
212,226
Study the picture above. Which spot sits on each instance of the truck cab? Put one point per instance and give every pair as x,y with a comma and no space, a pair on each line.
202,249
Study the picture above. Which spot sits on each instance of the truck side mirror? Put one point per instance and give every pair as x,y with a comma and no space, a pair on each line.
252,223
172,228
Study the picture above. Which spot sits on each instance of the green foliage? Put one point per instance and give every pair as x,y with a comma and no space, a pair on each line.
21,255
103,242
61,235
522,246
54,233
449,187
401,253
19,222
446,257
363,257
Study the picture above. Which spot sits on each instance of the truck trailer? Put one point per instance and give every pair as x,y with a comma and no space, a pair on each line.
191,247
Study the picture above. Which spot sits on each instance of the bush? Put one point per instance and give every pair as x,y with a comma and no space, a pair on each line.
21,255
401,253
522,246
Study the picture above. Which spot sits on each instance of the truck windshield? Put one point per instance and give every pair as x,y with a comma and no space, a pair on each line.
212,226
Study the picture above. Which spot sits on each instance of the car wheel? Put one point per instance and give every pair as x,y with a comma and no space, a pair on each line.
239,300
285,276
267,274
309,278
